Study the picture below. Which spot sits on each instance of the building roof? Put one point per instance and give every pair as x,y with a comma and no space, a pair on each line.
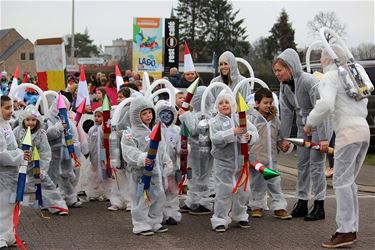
4,32
7,53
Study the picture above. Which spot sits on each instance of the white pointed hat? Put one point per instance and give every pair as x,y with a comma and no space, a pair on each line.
188,60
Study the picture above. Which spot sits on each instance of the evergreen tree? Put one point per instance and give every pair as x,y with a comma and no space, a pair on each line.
215,28
84,46
189,13
282,36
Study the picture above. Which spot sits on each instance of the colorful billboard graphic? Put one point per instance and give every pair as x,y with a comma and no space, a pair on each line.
147,45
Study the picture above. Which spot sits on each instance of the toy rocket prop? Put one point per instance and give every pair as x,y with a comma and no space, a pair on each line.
308,144
106,132
266,172
244,176
119,80
80,111
26,145
190,93
36,173
14,82
68,134
184,172
155,138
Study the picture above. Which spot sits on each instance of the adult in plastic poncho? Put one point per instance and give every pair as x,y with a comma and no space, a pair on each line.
298,93
11,157
230,75
50,194
352,142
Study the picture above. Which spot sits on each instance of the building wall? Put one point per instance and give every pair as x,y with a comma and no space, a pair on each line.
9,39
26,65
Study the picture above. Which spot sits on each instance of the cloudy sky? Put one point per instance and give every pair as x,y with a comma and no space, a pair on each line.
108,20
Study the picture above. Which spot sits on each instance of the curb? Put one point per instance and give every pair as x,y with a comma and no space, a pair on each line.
294,172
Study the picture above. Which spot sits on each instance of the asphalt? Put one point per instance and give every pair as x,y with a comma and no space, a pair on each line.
365,179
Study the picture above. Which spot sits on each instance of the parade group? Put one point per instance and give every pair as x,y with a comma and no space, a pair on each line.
141,155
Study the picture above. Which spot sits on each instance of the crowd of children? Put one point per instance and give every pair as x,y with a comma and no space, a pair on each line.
215,159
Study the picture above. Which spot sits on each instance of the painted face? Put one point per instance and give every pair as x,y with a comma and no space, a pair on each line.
6,110
166,117
282,73
224,107
31,122
146,116
190,76
224,68
264,106
98,118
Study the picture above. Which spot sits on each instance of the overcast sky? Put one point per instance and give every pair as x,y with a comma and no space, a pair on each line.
108,20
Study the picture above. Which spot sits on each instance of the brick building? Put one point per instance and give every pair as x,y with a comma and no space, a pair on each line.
16,51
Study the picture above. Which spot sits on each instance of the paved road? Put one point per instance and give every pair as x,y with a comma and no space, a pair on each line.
94,227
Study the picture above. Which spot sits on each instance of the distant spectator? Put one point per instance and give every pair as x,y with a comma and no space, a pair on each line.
136,76
174,76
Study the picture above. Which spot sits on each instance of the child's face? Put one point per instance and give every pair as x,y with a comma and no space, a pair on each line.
166,117
180,98
190,76
224,107
264,106
31,122
6,110
98,118
98,95
146,116
120,97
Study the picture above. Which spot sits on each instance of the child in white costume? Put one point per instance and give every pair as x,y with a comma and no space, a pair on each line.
62,170
11,157
146,218
198,200
264,117
171,132
225,135
99,184
30,117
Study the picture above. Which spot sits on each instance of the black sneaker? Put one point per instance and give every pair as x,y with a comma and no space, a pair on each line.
220,229
171,221
201,210
146,233
244,224
185,209
162,230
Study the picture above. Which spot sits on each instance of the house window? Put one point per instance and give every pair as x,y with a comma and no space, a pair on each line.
31,56
23,56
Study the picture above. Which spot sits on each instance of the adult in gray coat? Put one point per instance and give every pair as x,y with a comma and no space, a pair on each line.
298,93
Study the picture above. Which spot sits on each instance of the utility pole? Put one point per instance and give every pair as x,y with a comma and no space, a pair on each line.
72,42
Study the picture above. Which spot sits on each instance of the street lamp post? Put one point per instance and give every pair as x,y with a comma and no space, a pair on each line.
72,41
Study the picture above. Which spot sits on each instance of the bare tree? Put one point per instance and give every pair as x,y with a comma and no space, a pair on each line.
329,20
364,51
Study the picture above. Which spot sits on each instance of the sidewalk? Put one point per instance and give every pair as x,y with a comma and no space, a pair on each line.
365,180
